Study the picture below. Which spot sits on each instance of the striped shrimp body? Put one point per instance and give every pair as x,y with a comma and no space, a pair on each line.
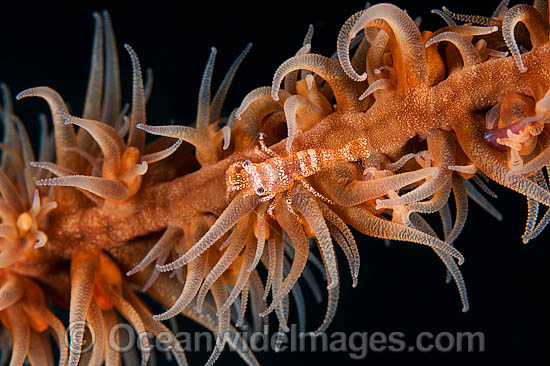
279,174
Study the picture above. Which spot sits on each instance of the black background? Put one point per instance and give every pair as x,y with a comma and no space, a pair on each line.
401,288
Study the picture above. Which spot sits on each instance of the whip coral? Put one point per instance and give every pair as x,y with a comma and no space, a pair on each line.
232,220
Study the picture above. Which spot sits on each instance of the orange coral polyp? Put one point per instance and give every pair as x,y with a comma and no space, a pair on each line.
128,174
24,223
514,107
109,272
35,320
266,230
102,299
232,273
108,275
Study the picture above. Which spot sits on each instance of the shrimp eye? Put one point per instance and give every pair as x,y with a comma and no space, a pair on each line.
245,163
260,191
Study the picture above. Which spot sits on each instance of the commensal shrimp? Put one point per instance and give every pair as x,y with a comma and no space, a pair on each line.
279,174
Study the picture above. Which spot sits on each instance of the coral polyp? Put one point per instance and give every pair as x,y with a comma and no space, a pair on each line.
123,219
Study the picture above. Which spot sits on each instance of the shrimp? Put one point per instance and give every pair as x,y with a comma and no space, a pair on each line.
279,174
